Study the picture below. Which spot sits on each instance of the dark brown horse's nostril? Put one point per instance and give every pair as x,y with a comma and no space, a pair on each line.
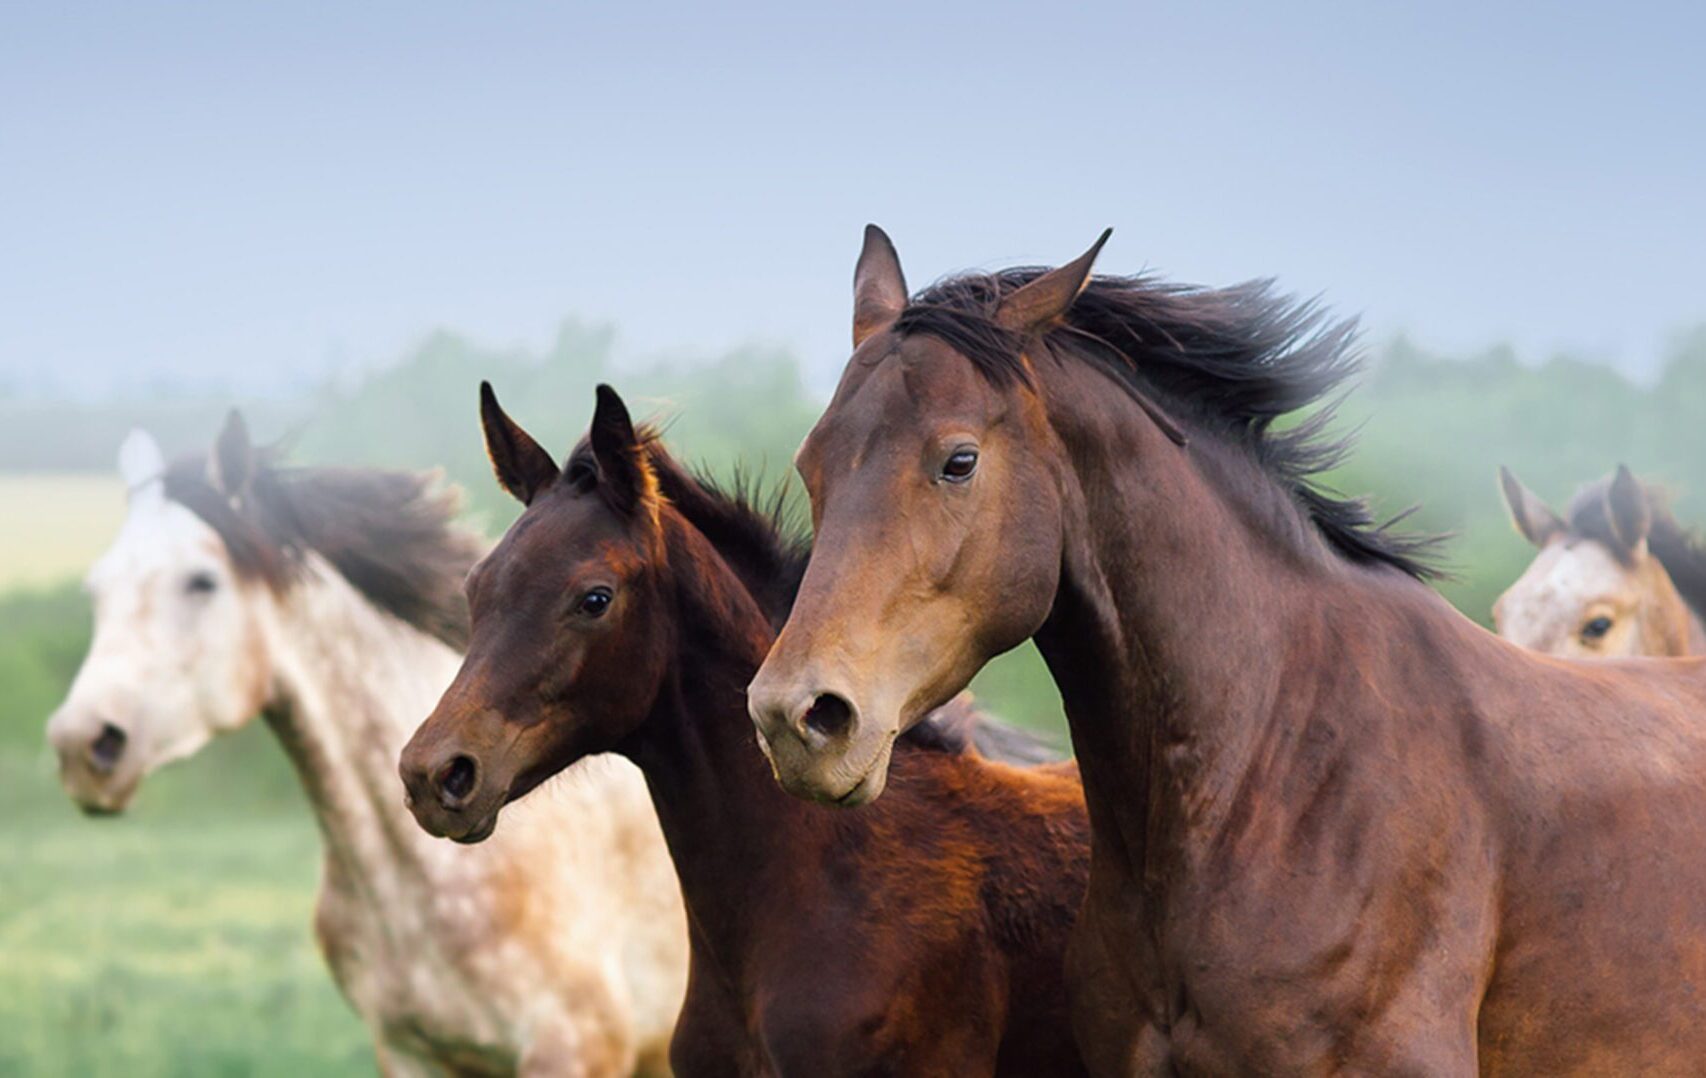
108,746
830,715
455,781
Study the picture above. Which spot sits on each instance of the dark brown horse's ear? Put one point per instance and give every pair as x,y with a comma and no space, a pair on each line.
624,475
522,467
1532,517
1048,297
879,288
1628,510
233,462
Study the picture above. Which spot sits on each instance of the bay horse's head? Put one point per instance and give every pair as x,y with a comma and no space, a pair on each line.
565,656
935,493
1602,582
176,655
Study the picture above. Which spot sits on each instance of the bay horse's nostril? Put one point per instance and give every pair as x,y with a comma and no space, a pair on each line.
830,715
455,781
108,746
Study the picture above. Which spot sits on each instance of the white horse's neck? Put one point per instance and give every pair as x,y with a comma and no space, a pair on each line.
349,684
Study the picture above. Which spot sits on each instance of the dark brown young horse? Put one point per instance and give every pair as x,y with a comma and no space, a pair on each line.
625,611
1336,826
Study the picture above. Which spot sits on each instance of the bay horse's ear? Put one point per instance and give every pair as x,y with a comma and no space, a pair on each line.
232,464
1532,517
1628,510
879,288
522,467
624,475
1048,297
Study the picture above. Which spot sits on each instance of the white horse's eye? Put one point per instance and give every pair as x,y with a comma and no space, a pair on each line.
201,583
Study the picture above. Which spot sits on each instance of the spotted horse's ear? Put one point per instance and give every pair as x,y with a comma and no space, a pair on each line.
1533,518
1629,511
232,463
522,467
141,464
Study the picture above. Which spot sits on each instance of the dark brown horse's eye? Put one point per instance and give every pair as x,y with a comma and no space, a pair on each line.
595,602
1597,628
960,465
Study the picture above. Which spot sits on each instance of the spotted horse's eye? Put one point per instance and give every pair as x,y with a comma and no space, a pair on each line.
1596,629
201,584
960,465
595,602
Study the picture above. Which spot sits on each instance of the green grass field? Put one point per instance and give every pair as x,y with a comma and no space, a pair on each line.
174,941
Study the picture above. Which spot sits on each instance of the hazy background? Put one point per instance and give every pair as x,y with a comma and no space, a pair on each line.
341,218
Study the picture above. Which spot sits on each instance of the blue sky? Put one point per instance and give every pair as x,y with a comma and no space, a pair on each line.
262,194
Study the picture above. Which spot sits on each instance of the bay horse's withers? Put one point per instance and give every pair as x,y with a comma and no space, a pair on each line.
1337,827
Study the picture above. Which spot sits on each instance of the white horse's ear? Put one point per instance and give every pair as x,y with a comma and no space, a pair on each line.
140,460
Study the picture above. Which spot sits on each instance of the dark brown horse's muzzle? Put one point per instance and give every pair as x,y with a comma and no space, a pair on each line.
445,787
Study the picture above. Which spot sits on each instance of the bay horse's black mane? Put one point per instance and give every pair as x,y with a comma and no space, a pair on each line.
1233,360
754,532
1679,549
391,534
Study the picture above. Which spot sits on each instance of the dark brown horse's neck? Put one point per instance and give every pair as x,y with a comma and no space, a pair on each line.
729,827
1192,599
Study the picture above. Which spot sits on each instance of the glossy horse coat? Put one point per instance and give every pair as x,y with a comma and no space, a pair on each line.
625,611
1337,827
328,601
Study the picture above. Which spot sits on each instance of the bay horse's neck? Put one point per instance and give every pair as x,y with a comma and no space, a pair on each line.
349,682
1193,599
728,825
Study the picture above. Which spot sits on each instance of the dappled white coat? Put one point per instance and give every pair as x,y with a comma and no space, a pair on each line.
556,947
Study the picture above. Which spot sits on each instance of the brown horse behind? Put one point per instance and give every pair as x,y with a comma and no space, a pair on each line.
1337,827
623,612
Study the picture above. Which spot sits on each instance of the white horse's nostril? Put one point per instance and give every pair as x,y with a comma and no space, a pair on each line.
107,748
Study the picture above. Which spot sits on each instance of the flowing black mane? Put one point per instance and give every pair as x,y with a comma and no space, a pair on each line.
752,531
391,534
1231,360
1679,549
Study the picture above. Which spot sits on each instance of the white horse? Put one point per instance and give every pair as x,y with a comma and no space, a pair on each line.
329,601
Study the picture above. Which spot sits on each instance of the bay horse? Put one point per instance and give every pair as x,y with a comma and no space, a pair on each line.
329,602
1617,575
1336,826
624,612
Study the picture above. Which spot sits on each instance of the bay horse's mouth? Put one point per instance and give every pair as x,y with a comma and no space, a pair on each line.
479,833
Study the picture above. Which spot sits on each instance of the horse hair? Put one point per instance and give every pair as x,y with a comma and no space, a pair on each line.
391,534
1234,360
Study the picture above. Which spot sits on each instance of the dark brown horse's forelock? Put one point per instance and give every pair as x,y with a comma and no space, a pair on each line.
1679,549
391,534
1230,360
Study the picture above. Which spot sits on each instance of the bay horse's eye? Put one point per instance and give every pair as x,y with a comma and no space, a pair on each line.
960,465
1596,629
200,583
595,602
